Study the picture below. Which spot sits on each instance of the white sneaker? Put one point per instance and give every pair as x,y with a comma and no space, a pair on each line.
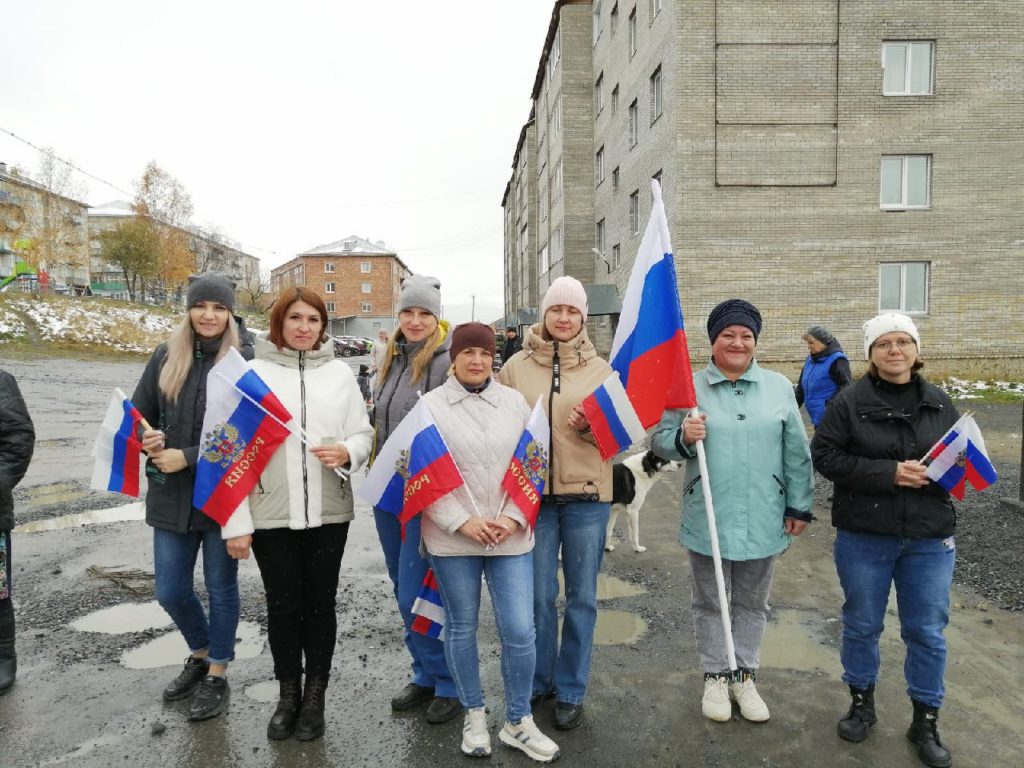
752,706
526,736
716,705
476,741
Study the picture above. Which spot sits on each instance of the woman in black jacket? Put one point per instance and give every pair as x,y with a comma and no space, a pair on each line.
172,397
893,526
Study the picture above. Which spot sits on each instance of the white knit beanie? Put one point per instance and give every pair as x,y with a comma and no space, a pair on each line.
565,290
888,323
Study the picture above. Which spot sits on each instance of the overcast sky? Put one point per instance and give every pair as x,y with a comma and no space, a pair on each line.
291,124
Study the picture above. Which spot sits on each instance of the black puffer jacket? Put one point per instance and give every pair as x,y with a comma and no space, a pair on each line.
169,498
857,446
17,441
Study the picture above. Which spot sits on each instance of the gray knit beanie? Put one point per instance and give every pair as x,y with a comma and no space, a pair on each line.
210,286
423,292
820,333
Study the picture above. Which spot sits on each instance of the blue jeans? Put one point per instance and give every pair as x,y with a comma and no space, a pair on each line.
579,529
407,569
174,563
922,570
510,584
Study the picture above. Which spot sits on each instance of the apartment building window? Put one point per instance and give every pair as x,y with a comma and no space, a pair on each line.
599,236
634,212
556,115
328,287
907,68
599,166
631,25
615,178
364,267
614,19
556,182
599,94
905,182
556,49
615,99
903,287
328,266
634,124
656,102
657,177
616,256
329,305
598,21
367,287
542,261
367,306
557,246
542,204
653,9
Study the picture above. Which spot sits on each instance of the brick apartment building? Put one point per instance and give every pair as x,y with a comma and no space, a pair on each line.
825,159
359,281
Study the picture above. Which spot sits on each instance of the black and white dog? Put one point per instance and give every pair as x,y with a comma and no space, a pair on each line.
631,481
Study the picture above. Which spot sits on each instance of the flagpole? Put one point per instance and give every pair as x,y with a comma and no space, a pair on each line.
145,424
716,553
926,460
296,430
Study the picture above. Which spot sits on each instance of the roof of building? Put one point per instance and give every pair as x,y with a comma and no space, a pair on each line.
353,244
113,208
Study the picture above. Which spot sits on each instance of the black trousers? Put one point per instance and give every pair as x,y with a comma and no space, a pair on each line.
300,575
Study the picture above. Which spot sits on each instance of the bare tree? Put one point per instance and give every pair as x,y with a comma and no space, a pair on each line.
162,199
255,287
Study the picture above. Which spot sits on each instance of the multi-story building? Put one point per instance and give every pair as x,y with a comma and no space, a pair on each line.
43,238
826,160
358,280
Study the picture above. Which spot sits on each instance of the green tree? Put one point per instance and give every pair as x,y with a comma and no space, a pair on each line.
134,246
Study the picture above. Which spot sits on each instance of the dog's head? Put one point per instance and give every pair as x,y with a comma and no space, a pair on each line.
653,464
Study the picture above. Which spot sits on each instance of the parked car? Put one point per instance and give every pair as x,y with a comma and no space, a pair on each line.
345,348
363,345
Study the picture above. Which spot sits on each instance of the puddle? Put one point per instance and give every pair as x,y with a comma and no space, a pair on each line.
618,628
265,692
798,640
55,493
82,750
170,649
128,617
610,587
133,511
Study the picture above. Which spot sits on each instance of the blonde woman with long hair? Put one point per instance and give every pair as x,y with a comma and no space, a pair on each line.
172,398
416,362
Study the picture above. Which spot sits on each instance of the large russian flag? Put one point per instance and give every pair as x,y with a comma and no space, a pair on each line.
960,458
243,425
413,469
118,447
527,472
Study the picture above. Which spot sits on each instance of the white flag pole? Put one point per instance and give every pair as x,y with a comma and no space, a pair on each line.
716,553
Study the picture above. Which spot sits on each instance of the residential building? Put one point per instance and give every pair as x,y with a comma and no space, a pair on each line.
825,160
359,281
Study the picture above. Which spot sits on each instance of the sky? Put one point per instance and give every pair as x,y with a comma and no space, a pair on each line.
291,124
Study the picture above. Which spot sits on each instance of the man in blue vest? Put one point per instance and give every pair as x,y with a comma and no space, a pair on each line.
825,372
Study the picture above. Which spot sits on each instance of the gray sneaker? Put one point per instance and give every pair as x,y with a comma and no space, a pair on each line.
210,699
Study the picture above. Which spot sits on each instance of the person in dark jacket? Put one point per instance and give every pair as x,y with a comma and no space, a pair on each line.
512,344
171,396
825,372
363,380
893,525
17,441
246,339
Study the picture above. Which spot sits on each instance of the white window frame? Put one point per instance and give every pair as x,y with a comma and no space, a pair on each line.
599,166
616,256
365,267
903,205
367,307
908,73
328,266
556,181
657,94
556,248
634,212
615,99
556,115
367,288
631,24
329,306
653,8
903,265
599,95
615,178
613,20
599,236
556,49
542,260
634,124
328,287
598,21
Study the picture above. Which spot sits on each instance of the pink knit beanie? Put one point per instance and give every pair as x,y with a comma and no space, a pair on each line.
565,290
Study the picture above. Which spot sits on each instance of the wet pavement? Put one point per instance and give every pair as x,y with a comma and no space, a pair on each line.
95,651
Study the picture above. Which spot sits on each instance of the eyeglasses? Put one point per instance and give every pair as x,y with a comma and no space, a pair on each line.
885,346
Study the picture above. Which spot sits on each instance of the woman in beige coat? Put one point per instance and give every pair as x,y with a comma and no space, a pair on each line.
477,531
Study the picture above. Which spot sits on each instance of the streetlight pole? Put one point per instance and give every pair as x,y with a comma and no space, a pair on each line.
472,311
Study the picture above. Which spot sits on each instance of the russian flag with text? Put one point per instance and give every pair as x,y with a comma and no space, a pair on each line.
960,458
428,609
243,425
118,447
649,350
413,469
528,470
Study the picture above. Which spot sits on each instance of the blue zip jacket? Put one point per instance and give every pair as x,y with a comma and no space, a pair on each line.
758,459
817,383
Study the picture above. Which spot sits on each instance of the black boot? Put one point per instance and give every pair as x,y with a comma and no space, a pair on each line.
8,659
924,733
860,718
311,713
282,724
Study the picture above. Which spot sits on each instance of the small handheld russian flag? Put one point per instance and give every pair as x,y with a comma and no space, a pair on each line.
960,458
429,609
118,447
527,472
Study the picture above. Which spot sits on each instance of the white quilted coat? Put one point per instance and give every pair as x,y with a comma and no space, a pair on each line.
482,431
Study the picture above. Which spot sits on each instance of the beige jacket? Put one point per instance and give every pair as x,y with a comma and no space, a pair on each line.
482,431
576,466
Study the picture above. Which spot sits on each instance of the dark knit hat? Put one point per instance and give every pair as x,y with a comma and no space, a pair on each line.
210,286
363,369
423,292
733,312
472,335
820,333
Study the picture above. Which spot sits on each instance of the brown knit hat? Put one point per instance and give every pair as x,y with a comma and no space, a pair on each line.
472,335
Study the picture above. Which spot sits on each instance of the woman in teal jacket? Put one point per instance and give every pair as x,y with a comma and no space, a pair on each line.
759,466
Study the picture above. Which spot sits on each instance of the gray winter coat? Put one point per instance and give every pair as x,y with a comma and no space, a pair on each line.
17,441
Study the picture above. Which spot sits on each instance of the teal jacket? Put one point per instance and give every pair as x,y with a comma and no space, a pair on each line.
758,460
